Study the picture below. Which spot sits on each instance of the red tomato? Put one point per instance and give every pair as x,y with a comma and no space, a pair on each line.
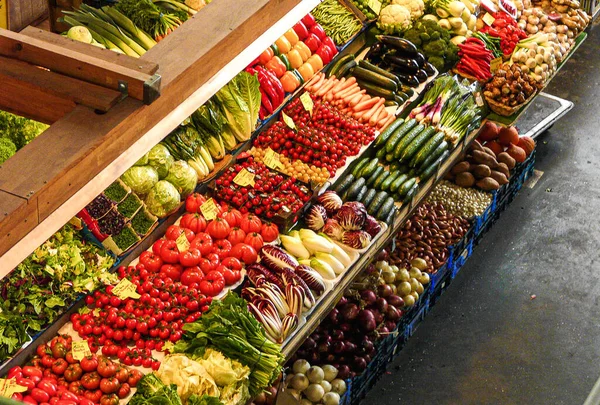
194,222
85,401
122,374
269,232
76,388
250,223
231,276
169,252
69,357
123,391
232,216
218,228
73,372
106,368
156,247
191,275
237,235
26,382
94,395
245,253
172,271
255,240
212,284
232,263
109,385
110,399
193,202
173,232
47,361
59,366
48,387
134,377
91,381
222,248
28,399
203,242
42,350
151,261
40,395
89,363
190,258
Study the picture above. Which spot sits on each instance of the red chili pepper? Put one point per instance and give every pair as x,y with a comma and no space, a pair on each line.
265,101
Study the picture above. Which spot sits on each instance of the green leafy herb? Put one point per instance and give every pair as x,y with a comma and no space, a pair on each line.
129,206
142,222
116,192
12,335
152,391
126,239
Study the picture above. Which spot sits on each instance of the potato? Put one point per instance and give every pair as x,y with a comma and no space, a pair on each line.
488,184
465,179
476,145
484,158
507,160
482,171
461,167
489,151
499,177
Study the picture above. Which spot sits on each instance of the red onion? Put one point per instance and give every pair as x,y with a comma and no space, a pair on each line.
343,301
384,290
366,344
338,334
334,315
368,296
378,316
359,364
383,255
392,314
346,327
395,301
339,347
309,344
370,269
391,325
349,312
367,358
382,304
350,347
367,320
323,347
343,372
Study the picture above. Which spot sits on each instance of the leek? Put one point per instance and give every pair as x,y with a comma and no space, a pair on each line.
137,34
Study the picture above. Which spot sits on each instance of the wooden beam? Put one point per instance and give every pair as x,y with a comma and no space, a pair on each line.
65,87
76,64
23,213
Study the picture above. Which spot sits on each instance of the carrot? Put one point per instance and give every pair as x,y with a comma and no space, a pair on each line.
326,87
313,80
347,91
315,87
374,108
344,84
349,97
316,84
356,99
387,121
367,104
375,117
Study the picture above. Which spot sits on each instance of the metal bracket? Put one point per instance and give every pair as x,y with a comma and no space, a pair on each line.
152,89
123,87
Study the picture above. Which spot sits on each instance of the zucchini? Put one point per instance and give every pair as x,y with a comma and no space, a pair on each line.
343,185
360,164
411,193
416,143
390,145
340,62
405,188
428,172
380,154
354,189
369,168
382,177
427,149
407,90
373,177
398,182
437,152
375,78
385,135
391,103
389,179
361,194
375,90
390,217
407,139
385,208
377,202
345,69
389,157
369,66
394,166
369,197
400,44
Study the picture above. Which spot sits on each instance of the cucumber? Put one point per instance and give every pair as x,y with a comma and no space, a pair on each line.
427,149
345,69
369,197
416,143
375,175
375,90
354,189
389,157
407,139
374,78
380,154
390,217
385,135
411,193
369,66
361,194
377,202
369,168
340,62
405,188
398,182
360,164
398,134
394,166
389,179
343,185
437,152
385,208
382,177
428,172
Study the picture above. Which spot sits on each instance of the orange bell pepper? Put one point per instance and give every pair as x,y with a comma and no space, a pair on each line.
306,71
303,49
295,58
290,82
283,45
276,66
266,56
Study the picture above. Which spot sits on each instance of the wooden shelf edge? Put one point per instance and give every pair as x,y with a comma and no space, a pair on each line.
52,218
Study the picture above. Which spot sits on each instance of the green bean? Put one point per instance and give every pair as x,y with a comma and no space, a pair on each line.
337,21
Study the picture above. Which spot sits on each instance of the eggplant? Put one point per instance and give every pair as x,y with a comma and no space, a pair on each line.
421,76
409,80
404,65
375,52
420,59
399,44
429,69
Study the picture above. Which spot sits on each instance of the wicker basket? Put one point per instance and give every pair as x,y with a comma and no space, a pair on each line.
505,110
469,77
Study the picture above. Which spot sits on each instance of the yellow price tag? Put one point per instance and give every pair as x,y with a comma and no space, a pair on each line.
80,349
374,5
488,19
288,121
271,159
209,209
307,103
478,100
495,64
183,244
9,387
125,289
244,178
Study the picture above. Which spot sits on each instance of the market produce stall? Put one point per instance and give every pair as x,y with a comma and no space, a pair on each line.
303,200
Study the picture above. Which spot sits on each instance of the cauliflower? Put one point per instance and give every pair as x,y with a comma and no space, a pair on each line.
394,19
416,7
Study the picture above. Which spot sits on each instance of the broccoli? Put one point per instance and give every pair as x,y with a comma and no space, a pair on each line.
413,36
7,149
19,130
437,62
435,36
435,48
424,37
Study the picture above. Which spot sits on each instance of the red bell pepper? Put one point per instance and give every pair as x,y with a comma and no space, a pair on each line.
309,20
313,42
318,31
301,30
325,53
329,42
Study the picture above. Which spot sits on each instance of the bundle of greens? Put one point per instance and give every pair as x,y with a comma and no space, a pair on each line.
52,278
20,131
209,123
157,17
12,335
152,391
229,328
185,143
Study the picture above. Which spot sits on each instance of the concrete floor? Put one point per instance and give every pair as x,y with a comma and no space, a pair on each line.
487,341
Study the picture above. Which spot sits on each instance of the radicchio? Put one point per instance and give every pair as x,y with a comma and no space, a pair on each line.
351,216
372,227
276,258
333,229
316,217
356,239
331,201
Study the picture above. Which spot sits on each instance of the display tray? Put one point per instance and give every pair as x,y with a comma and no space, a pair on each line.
545,110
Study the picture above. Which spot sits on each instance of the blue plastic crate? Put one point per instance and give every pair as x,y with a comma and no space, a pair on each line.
461,257
418,317
480,221
439,275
